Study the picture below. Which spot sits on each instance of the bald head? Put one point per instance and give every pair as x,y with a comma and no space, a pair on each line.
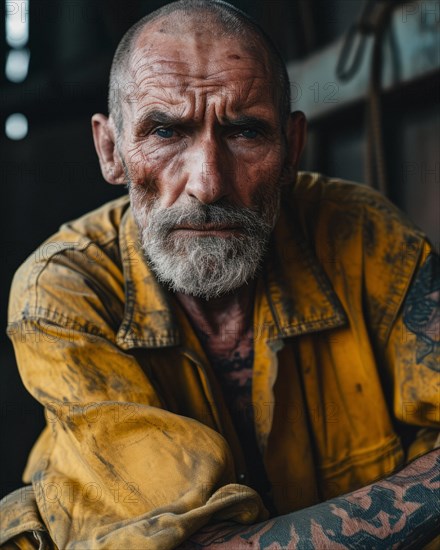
215,17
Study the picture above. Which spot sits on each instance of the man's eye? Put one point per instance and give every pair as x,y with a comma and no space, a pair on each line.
249,133
165,133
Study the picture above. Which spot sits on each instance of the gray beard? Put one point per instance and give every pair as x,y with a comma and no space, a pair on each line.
206,267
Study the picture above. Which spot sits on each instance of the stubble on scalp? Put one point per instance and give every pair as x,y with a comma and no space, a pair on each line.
216,18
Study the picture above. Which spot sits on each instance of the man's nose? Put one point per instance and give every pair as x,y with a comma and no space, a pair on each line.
208,172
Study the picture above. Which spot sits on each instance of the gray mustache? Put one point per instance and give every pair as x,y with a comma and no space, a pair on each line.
202,214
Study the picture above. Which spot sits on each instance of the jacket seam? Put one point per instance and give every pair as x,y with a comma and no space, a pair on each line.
82,248
338,467
52,317
404,278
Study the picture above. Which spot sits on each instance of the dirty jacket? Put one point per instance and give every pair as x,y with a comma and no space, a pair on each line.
139,449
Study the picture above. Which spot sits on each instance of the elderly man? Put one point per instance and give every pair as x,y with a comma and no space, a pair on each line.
235,343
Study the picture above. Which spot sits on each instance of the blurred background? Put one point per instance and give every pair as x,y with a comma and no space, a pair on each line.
366,73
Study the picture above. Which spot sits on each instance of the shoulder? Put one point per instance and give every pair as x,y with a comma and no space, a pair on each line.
73,271
367,247
350,212
314,190
101,225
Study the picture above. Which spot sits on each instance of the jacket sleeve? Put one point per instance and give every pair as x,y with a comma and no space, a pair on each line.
412,352
113,469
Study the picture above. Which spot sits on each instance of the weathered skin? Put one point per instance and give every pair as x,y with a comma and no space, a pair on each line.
187,136
208,86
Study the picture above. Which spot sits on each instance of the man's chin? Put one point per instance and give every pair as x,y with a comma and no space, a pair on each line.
203,277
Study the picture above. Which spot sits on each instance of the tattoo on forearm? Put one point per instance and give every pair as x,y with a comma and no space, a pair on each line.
402,511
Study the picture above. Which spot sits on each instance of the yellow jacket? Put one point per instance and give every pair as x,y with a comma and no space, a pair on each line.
139,449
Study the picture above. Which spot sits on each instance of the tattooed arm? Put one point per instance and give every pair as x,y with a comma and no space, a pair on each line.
402,511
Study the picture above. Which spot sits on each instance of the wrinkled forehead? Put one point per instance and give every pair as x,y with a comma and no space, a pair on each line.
200,62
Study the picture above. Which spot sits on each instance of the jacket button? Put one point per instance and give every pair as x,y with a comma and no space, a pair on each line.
241,477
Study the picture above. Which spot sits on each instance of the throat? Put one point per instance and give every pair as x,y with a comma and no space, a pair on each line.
224,325
225,330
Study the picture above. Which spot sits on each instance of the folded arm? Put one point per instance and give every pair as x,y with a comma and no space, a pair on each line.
402,511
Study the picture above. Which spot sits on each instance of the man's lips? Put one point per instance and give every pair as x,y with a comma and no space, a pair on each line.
207,229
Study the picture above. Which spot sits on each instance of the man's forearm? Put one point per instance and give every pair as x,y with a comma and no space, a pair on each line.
402,511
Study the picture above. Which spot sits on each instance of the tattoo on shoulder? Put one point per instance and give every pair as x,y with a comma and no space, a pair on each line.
421,314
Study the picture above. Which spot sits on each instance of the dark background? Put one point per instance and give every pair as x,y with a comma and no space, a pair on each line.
52,175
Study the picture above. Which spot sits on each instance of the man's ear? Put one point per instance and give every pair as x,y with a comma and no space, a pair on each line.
296,134
105,144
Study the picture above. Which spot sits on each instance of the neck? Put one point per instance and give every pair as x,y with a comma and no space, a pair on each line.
222,321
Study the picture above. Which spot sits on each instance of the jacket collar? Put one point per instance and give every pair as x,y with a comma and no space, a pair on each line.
301,297
148,319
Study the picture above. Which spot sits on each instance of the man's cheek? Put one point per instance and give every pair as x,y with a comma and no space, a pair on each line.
264,176
153,151
272,175
134,158
140,171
